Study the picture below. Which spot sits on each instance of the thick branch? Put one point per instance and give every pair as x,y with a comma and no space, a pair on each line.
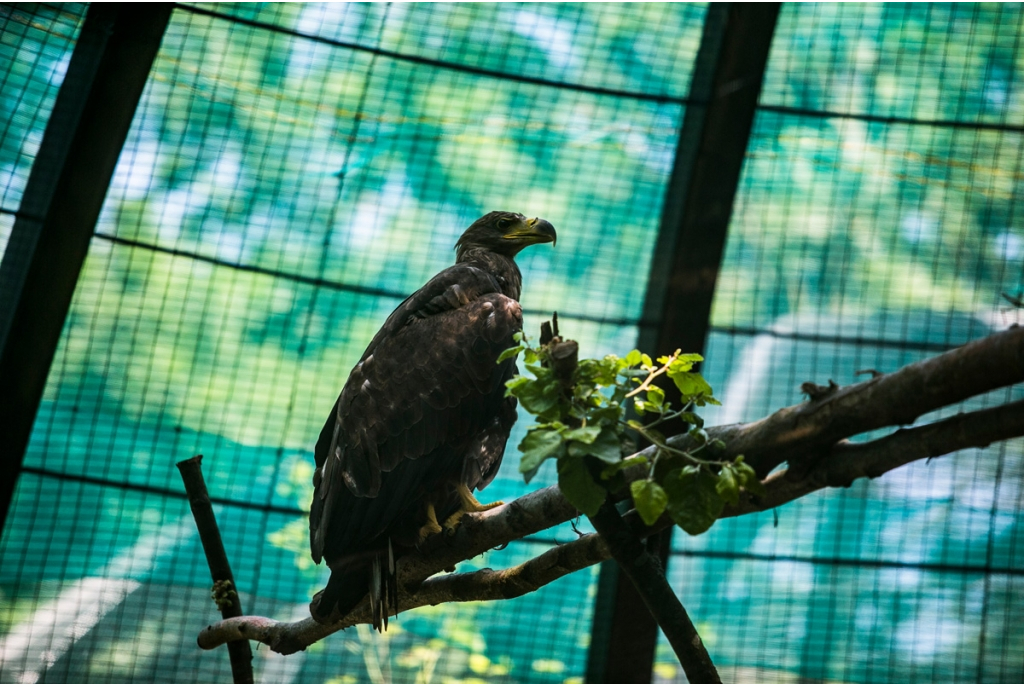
799,433
834,464
845,462
645,572
476,534
483,585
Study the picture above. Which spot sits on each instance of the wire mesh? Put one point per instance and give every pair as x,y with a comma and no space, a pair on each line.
35,47
292,173
878,222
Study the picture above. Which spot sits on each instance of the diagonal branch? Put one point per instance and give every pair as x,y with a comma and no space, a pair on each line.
799,433
845,461
828,461
646,573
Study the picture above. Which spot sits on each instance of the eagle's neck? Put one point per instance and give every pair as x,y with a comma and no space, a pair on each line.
503,268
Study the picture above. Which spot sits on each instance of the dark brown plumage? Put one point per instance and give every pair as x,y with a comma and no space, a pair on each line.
422,414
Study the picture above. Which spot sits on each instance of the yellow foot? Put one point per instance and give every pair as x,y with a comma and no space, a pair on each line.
452,522
431,526
470,504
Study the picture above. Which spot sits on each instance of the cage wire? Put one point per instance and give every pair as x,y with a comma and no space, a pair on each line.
878,222
35,47
295,170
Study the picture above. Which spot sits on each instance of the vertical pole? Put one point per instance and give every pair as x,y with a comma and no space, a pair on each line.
724,90
60,206
225,592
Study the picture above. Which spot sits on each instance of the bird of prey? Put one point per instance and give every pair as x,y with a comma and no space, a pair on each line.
422,420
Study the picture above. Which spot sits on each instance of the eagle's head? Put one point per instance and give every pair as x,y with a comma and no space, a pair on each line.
504,233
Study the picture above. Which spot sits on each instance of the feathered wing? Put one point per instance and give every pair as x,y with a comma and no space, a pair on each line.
424,406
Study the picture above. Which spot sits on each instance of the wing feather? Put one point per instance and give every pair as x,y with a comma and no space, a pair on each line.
424,388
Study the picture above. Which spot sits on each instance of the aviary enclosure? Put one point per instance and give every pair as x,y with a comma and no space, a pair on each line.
291,172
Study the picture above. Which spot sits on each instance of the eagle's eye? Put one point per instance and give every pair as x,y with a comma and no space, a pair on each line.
504,223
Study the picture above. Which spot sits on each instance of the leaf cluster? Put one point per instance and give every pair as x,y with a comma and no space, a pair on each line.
582,424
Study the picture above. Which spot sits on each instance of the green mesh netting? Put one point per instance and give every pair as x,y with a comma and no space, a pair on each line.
294,171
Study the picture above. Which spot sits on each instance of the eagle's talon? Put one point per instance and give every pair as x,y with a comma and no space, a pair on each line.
471,503
431,527
452,522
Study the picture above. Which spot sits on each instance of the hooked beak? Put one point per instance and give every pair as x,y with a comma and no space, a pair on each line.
534,231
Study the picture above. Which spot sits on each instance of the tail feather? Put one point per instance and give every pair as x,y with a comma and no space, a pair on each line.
383,588
345,589
349,584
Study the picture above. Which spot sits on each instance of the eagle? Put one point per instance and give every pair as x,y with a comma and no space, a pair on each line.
422,421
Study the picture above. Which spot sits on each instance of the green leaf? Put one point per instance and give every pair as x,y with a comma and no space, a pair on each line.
538,445
748,477
578,486
598,372
587,434
653,435
633,358
691,384
728,486
693,502
513,384
666,462
649,498
612,469
539,395
530,357
692,419
607,446
510,352
605,415
646,360
699,435
683,363
655,396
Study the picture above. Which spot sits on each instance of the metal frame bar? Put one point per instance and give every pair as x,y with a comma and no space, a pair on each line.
725,87
63,197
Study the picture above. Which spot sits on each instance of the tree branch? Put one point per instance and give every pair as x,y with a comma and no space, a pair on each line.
845,461
830,464
645,572
225,593
800,433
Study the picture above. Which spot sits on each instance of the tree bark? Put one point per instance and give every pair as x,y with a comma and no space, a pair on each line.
802,433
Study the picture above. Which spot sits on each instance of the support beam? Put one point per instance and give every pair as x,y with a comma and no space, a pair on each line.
724,90
62,201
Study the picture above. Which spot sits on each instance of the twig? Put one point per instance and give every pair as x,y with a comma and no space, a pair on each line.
225,593
652,374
